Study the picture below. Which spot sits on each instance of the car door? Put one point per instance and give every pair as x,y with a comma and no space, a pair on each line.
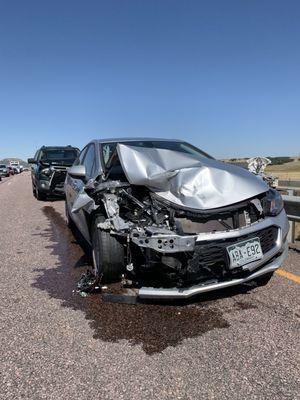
75,187
35,168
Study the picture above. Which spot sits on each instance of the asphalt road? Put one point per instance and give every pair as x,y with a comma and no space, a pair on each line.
234,344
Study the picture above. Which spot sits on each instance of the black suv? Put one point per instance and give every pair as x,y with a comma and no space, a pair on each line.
48,171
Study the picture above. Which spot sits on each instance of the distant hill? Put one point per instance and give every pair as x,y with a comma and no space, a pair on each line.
274,160
285,168
7,160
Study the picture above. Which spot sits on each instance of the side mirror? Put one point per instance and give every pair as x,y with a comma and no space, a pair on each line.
31,161
77,171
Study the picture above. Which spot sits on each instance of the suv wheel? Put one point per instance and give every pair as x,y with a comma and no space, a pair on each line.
39,195
108,253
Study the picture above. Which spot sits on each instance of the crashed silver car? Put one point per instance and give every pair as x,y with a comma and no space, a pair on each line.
171,219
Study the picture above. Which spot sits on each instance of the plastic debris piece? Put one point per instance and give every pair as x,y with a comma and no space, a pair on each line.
87,282
83,294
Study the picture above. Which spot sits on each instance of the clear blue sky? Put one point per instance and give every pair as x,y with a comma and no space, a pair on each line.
224,75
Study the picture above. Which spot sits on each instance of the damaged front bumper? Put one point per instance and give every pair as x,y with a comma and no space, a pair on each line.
178,293
54,184
271,260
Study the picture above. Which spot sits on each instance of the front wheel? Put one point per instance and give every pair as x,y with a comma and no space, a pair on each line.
39,195
108,253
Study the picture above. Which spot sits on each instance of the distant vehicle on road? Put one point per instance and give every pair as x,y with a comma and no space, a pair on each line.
49,167
4,171
10,170
16,166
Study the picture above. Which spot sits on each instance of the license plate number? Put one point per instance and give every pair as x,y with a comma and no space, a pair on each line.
245,252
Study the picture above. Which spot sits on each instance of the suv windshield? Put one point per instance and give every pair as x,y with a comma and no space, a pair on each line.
182,147
58,154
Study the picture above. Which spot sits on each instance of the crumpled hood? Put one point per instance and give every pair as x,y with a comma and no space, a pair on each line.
186,181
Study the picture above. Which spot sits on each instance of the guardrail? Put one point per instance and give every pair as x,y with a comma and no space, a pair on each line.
290,183
292,207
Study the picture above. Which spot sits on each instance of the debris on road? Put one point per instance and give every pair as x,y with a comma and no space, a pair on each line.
87,283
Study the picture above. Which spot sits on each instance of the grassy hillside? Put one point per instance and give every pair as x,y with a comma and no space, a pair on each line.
289,170
284,170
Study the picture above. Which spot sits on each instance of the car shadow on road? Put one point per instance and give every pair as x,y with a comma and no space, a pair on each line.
154,326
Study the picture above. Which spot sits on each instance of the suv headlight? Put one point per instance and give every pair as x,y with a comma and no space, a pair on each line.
273,203
47,171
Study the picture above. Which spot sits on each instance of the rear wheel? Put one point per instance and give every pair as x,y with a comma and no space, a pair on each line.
108,253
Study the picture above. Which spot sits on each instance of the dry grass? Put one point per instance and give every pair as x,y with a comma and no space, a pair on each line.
297,233
288,171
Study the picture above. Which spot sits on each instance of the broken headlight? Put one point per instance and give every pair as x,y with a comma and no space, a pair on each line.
47,171
273,203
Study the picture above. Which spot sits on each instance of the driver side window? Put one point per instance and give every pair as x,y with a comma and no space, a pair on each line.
79,159
90,162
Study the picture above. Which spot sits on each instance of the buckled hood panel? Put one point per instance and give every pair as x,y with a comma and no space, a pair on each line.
186,181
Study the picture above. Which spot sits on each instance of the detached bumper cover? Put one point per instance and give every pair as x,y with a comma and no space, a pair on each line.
271,261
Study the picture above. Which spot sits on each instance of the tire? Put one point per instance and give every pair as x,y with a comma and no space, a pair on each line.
39,195
108,253
264,279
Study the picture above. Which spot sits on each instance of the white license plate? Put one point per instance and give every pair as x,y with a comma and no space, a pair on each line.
244,252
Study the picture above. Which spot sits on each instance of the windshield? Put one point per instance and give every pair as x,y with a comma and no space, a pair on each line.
182,147
59,154
2,166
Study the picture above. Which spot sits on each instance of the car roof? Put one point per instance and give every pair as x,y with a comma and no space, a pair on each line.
134,139
58,147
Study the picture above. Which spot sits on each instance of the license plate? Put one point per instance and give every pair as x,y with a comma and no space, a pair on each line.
244,252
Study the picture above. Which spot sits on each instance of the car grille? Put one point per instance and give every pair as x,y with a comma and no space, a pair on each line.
58,179
211,260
